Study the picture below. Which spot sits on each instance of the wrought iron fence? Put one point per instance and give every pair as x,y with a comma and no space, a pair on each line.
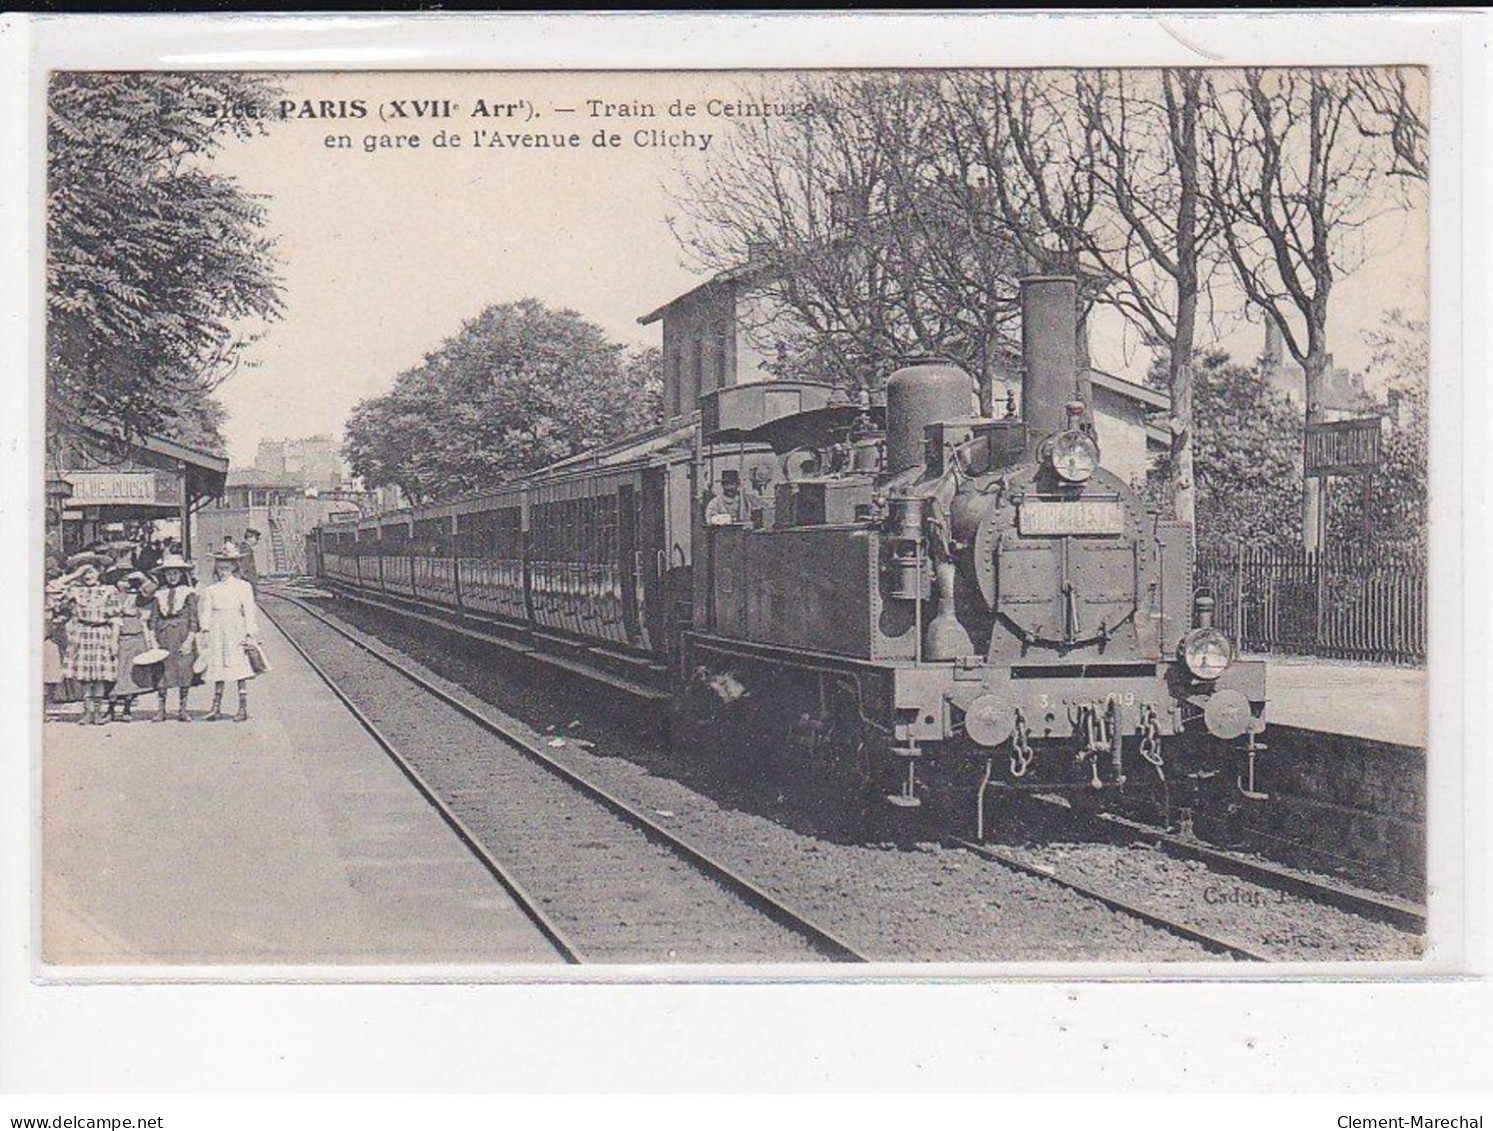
1351,605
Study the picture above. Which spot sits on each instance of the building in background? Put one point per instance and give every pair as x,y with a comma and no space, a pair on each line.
270,456
312,461
382,499
1343,392
706,340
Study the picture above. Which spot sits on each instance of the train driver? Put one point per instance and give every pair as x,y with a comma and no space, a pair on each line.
730,506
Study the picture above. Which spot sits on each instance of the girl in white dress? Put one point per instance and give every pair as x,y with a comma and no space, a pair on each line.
230,620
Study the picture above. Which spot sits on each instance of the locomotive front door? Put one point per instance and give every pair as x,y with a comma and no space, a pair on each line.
1066,592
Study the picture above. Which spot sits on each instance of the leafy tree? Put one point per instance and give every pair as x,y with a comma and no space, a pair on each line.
518,387
1247,456
1398,493
199,424
643,374
155,264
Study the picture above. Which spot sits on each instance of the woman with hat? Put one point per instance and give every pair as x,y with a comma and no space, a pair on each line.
130,679
92,639
172,621
230,624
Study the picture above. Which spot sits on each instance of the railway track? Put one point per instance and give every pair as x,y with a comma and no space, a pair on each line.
1213,941
1115,872
601,879
1379,906
1261,877
1348,897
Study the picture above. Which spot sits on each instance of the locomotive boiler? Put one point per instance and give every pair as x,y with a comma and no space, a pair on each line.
978,603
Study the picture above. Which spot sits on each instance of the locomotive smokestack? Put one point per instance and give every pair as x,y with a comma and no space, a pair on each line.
1049,346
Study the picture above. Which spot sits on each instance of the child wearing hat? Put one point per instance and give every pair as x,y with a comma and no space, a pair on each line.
171,617
133,640
56,612
92,657
230,622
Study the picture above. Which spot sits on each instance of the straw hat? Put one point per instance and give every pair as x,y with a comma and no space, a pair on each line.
154,656
89,557
173,561
228,552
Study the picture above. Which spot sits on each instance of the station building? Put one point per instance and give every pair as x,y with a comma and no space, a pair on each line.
100,486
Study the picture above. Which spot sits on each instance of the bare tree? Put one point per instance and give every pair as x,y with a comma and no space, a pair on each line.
1095,174
1390,105
1151,242
860,259
1292,184
899,214
1018,137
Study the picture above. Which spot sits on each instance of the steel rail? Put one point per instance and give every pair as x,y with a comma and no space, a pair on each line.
1347,897
823,940
1219,944
526,902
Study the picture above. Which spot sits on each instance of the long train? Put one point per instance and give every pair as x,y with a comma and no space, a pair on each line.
928,603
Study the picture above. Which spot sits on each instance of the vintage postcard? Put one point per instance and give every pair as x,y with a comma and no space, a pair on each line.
762,520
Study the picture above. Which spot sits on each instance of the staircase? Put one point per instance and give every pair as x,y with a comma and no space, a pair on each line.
280,555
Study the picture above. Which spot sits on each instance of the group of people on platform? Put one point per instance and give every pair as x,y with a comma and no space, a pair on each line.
114,631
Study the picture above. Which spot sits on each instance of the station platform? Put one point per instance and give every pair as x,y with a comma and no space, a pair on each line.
1371,701
287,839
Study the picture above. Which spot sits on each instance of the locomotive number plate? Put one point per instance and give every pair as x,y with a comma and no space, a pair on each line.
1046,517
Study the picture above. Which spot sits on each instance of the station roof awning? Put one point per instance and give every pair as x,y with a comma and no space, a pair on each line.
205,473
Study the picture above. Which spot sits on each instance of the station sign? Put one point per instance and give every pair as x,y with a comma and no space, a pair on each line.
123,488
1344,447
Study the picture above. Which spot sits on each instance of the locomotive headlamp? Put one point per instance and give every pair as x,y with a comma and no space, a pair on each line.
1207,652
1074,455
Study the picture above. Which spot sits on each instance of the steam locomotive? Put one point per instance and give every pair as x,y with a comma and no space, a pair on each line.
926,603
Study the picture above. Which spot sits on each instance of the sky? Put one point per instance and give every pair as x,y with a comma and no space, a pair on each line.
385,253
